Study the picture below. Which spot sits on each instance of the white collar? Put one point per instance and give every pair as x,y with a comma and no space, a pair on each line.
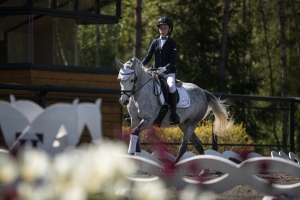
167,36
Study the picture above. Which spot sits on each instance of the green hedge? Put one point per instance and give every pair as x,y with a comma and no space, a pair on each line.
236,135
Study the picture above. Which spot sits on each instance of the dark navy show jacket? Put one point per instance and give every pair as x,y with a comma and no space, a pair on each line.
164,57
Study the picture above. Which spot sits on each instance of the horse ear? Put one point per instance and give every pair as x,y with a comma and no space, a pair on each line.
133,64
119,64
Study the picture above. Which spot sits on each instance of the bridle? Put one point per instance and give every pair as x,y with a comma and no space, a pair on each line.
133,91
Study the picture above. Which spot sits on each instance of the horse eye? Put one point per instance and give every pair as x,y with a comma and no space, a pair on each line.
131,80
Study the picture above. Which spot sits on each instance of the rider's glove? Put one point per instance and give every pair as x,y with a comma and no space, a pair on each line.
161,70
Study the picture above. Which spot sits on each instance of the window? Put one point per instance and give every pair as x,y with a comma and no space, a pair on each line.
75,43
96,44
108,7
66,5
13,3
88,6
42,45
43,3
64,41
14,37
74,38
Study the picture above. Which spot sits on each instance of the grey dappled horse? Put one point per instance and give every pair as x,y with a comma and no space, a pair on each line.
143,105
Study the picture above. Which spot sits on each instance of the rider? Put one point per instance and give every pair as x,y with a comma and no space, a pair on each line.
164,49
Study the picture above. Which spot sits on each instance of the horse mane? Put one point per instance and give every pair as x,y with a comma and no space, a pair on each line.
138,62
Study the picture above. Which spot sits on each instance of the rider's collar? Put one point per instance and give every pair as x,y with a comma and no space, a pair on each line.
164,37
125,73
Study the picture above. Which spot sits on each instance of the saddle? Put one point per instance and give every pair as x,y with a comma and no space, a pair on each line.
165,90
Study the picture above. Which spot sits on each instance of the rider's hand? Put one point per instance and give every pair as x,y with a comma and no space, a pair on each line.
161,70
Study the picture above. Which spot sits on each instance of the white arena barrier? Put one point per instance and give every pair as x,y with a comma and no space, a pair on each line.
234,173
51,129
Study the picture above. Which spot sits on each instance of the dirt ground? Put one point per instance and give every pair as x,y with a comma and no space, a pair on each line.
241,191
244,191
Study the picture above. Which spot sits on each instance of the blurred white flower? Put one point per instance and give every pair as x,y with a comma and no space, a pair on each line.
74,192
150,190
25,190
96,171
101,166
8,169
29,191
193,192
62,172
33,164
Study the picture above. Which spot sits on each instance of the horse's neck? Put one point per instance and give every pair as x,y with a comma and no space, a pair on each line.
144,86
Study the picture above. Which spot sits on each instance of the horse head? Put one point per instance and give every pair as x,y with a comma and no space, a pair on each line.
127,77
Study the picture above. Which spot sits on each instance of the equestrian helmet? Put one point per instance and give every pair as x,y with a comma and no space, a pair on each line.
165,20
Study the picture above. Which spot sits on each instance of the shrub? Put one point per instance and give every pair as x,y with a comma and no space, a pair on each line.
159,136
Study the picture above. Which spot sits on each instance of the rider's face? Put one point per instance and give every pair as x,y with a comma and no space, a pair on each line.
163,29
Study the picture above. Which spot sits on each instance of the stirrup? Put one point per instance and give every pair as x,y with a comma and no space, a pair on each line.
174,119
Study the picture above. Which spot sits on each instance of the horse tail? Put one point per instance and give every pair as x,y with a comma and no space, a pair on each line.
222,121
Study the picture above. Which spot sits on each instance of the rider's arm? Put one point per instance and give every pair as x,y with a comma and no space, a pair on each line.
149,54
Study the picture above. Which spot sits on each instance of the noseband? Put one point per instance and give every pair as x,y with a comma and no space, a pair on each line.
133,87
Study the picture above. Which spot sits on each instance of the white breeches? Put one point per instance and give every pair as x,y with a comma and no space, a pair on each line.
170,80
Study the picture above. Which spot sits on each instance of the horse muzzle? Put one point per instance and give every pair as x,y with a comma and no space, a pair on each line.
123,102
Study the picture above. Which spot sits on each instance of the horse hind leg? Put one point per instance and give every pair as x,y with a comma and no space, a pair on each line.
138,145
197,143
188,131
182,149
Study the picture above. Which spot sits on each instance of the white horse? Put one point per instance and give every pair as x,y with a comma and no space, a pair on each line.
144,106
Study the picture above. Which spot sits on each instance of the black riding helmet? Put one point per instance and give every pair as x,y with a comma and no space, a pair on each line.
165,20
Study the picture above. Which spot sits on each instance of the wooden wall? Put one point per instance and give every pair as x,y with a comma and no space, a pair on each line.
110,108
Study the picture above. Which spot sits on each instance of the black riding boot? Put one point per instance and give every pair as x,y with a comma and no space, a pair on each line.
174,118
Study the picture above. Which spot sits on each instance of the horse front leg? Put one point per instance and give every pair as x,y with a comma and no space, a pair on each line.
134,144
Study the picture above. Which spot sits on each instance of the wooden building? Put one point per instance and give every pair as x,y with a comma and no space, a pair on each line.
57,50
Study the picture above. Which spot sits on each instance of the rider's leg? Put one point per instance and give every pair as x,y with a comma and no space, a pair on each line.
174,118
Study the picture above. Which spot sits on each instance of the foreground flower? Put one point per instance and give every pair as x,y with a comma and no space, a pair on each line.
33,191
150,190
33,164
195,193
102,167
8,169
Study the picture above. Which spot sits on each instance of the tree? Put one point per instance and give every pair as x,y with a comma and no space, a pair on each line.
223,45
138,29
284,74
296,29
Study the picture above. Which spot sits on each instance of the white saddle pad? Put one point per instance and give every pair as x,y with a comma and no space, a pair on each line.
184,98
